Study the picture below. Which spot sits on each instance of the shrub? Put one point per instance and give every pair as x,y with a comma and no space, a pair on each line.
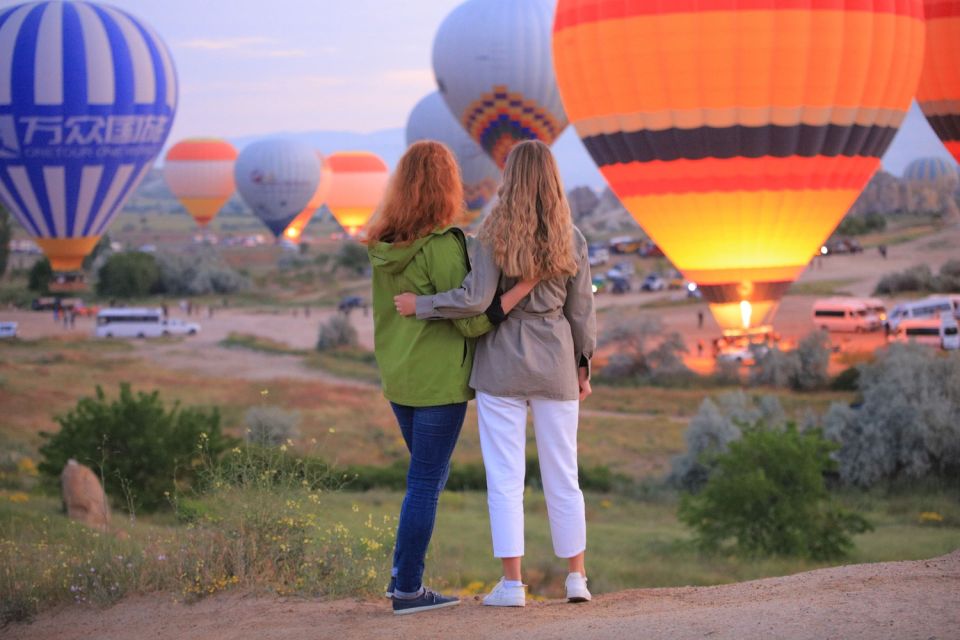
40,275
128,275
710,432
908,424
775,368
855,225
769,496
336,332
353,257
803,369
846,380
198,275
270,426
637,360
139,448
920,278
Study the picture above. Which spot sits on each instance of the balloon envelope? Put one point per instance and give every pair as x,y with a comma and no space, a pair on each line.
432,120
936,172
277,178
939,90
199,172
736,132
359,182
494,68
87,97
294,230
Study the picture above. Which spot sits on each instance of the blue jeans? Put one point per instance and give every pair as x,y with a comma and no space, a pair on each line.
431,434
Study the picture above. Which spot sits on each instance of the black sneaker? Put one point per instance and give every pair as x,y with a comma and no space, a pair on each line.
390,587
424,602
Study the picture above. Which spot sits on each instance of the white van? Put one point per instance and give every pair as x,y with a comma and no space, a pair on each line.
937,332
844,314
927,308
140,323
8,329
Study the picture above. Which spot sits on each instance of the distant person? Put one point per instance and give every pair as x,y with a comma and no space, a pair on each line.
700,319
424,366
883,250
538,359
700,347
165,310
56,311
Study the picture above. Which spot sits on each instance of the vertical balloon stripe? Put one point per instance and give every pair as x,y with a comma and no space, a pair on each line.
96,46
49,57
144,78
89,181
8,42
14,206
112,196
54,180
22,183
126,188
169,77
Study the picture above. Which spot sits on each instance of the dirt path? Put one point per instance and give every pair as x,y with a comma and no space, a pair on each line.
890,600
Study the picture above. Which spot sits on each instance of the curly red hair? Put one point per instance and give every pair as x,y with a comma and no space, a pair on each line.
425,193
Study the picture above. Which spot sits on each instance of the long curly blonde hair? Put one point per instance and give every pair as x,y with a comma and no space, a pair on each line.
530,228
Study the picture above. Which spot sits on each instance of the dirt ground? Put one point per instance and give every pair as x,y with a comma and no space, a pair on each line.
891,600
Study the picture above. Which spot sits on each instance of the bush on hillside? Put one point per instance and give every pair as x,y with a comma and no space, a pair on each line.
41,273
856,225
138,446
352,257
803,369
645,354
133,274
270,426
335,333
920,279
768,497
908,423
197,275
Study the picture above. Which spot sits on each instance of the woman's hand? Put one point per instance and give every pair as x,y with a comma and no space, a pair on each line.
406,304
584,381
519,291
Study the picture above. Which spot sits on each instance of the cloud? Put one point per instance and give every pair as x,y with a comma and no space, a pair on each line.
222,44
410,78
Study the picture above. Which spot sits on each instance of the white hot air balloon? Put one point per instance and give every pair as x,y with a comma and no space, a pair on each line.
432,120
494,67
277,178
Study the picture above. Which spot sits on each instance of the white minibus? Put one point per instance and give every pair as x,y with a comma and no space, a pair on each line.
937,332
844,314
927,308
140,323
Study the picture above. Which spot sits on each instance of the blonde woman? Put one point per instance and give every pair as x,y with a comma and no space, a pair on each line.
539,357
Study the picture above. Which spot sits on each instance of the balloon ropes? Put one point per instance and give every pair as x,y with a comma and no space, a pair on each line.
432,120
87,97
738,132
939,91
294,230
494,69
357,187
199,172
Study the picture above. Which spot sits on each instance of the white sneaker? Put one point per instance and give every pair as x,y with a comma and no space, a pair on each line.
504,596
577,588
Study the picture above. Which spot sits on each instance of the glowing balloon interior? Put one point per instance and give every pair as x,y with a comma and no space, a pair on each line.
359,182
277,178
432,120
737,132
87,97
294,230
939,90
199,172
494,69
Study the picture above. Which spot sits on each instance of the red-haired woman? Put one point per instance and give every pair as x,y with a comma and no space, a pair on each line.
424,366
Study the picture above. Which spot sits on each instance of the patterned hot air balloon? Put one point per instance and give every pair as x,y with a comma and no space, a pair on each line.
939,90
87,97
432,120
199,172
738,132
359,182
277,178
294,230
494,69
936,172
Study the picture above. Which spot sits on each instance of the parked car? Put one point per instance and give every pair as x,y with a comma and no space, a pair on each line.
931,306
626,244
840,246
8,330
934,331
82,310
597,255
844,314
599,284
653,282
619,284
349,303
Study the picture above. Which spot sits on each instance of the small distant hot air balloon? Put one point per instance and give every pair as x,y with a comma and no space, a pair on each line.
737,132
494,68
935,172
294,230
432,120
199,172
939,90
359,182
277,178
87,97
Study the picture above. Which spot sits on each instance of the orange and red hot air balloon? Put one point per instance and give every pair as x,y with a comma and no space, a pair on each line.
738,132
357,186
939,90
199,172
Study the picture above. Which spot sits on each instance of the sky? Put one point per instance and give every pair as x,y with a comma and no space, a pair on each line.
249,67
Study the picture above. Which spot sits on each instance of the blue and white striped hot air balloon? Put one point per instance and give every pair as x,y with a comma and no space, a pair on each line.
87,97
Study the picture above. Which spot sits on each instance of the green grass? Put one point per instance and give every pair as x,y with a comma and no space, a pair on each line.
352,363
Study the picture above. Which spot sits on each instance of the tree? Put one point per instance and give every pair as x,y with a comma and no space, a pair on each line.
769,497
128,275
6,233
40,275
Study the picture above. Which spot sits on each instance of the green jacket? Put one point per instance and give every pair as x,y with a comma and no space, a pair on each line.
421,363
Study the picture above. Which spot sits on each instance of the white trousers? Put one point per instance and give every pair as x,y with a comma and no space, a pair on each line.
503,438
